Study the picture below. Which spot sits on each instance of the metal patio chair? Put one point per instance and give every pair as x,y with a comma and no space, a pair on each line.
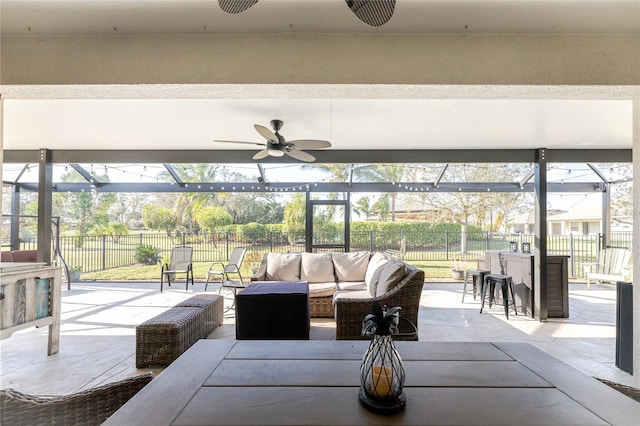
219,272
179,263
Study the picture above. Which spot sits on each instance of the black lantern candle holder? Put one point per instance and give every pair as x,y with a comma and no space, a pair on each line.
381,372
513,245
526,247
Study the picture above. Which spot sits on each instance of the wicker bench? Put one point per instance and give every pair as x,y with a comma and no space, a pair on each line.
213,307
163,338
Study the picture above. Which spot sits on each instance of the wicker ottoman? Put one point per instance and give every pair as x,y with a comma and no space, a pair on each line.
162,339
213,310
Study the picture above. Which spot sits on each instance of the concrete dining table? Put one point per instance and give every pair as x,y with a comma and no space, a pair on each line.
267,382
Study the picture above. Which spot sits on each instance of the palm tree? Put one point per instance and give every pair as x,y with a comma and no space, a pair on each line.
190,202
364,207
382,173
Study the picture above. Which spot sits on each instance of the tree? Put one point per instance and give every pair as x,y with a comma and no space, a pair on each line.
114,229
127,209
158,218
382,173
253,207
462,207
211,218
84,210
294,213
364,208
190,202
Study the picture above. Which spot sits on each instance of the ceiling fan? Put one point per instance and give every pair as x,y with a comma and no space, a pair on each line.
277,146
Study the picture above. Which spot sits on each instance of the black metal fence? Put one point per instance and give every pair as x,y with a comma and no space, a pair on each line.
94,253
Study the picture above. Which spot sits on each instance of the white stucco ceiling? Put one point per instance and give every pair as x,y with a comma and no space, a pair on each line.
347,123
39,17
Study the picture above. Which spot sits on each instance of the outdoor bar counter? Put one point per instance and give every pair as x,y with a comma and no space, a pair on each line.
520,266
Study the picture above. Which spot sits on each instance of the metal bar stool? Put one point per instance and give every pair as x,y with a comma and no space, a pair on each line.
505,281
477,276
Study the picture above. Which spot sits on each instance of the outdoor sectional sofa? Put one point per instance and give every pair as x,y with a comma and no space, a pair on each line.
344,285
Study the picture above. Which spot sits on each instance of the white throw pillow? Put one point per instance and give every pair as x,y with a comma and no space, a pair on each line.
392,273
351,266
317,268
283,267
372,276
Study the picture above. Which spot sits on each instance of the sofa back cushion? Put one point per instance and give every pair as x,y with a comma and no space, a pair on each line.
317,268
374,270
351,266
392,273
283,267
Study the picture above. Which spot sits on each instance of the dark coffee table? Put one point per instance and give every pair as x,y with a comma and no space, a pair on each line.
273,310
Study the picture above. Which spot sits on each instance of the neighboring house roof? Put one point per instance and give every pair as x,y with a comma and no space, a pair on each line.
529,217
578,214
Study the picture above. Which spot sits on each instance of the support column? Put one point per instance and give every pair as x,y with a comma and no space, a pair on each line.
636,243
45,202
540,234
606,215
1,143
15,220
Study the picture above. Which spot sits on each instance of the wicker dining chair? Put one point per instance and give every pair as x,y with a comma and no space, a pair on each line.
88,407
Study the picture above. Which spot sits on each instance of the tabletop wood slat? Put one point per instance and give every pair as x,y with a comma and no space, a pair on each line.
317,383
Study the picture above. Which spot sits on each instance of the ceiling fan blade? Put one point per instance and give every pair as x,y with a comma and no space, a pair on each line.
310,144
300,155
236,6
261,154
266,133
242,142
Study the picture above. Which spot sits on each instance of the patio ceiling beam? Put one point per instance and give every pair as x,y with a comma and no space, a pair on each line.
440,175
86,175
234,187
526,178
598,172
23,171
326,156
174,174
263,177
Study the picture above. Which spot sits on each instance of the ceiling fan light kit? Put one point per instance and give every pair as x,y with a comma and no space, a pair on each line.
277,146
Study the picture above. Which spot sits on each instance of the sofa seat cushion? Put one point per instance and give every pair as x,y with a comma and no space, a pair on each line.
392,273
352,285
317,268
351,295
351,266
283,267
374,270
322,289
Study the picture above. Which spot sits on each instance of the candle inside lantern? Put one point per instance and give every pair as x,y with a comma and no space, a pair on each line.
381,380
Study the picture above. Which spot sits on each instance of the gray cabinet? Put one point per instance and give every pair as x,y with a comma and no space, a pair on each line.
520,267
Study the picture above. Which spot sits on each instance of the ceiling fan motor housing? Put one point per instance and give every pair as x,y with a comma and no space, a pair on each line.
276,124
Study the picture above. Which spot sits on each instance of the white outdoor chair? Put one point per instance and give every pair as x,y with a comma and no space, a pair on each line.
179,263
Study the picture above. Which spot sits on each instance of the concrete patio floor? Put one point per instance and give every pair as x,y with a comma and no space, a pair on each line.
97,343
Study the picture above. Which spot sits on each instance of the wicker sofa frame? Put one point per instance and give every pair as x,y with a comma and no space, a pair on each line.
350,312
89,407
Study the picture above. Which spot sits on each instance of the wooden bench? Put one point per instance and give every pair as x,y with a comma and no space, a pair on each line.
163,338
610,266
